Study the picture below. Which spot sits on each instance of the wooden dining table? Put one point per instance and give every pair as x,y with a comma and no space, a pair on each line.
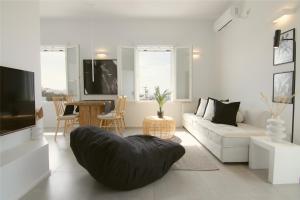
88,111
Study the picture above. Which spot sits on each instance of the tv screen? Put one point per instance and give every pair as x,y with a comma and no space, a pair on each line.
17,100
100,78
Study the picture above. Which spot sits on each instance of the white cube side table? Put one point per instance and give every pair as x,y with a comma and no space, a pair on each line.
282,159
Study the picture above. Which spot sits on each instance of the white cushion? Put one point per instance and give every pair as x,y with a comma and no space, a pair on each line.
210,110
201,108
105,116
242,130
189,117
240,117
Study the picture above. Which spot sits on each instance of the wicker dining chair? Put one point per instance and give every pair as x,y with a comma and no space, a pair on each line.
115,118
122,112
71,99
69,120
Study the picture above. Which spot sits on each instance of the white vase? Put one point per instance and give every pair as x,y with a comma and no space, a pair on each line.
276,129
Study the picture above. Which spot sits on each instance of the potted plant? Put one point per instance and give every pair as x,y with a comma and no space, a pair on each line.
161,99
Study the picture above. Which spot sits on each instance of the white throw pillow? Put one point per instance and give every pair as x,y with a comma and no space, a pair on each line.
210,110
240,117
201,108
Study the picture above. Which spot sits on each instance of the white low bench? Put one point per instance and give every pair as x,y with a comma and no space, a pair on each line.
227,143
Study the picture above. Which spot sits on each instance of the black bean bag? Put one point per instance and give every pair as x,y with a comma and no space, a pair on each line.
123,163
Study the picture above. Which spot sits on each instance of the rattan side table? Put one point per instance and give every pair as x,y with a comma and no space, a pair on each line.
163,128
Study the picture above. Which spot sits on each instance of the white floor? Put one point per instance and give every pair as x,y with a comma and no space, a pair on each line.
69,181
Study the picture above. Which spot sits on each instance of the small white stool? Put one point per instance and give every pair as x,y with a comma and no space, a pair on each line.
282,159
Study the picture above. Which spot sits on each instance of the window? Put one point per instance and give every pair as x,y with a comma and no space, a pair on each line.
53,73
154,68
144,68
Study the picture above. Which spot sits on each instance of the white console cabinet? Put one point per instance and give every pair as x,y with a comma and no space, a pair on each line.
282,159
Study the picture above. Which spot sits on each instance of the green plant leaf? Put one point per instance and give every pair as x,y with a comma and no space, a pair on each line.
161,98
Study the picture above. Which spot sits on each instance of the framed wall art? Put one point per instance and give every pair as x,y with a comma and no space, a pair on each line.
283,87
285,53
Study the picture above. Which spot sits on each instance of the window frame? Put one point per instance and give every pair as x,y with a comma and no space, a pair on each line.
189,99
55,48
173,72
77,79
120,70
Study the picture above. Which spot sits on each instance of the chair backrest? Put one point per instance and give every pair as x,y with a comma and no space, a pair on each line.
118,105
59,104
123,105
69,99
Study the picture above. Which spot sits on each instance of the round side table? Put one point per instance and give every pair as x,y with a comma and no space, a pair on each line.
163,128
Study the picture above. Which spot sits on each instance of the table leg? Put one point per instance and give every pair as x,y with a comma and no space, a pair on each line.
94,112
84,115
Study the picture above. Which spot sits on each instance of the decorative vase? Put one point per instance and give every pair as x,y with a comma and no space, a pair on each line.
160,114
276,129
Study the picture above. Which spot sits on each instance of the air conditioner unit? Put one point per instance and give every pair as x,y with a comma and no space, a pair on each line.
226,18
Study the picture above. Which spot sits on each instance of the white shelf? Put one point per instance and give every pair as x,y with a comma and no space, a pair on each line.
19,151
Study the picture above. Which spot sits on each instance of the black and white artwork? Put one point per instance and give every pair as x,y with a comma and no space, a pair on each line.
283,87
285,53
100,78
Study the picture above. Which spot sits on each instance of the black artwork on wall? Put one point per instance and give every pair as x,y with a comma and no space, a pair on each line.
100,78
285,53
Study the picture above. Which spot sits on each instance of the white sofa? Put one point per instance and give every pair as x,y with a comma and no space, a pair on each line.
227,143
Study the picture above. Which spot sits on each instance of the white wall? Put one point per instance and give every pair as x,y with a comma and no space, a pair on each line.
245,59
111,34
20,47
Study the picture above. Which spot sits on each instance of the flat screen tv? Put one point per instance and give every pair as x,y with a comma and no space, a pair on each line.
17,100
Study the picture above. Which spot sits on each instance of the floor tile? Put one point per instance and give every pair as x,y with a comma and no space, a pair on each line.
232,182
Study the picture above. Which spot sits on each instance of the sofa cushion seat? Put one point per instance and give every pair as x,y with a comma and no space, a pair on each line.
190,117
242,130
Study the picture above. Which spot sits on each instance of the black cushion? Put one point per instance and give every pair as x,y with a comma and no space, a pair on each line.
123,163
109,106
69,110
199,101
213,99
224,100
225,113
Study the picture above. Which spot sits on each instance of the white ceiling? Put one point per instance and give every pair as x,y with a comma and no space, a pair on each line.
151,9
